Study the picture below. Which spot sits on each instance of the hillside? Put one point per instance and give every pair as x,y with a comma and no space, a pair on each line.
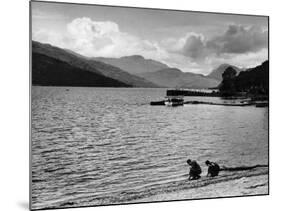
47,71
217,72
251,81
255,80
135,64
172,77
84,63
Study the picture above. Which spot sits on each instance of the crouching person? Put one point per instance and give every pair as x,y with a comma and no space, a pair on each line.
195,170
213,169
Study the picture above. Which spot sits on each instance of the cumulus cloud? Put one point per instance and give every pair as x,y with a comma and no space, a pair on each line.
100,38
235,40
239,45
194,47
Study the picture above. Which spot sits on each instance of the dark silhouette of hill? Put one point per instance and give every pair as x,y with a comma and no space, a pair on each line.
88,64
48,71
253,81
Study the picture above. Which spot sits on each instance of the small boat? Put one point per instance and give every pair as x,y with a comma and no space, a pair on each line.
174,100
261,105
157,103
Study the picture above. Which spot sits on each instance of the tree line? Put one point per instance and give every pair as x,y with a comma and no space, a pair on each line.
254,81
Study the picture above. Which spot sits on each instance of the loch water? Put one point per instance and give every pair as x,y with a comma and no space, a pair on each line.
93,146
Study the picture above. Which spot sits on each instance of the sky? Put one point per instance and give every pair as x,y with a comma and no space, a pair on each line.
191,41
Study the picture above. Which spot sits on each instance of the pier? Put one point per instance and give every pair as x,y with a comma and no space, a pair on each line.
183,92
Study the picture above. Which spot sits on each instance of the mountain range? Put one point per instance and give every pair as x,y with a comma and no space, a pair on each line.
173,77
134,64
129,71
83,63
48,71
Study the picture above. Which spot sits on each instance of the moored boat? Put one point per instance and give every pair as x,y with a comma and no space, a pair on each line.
157,103
174,100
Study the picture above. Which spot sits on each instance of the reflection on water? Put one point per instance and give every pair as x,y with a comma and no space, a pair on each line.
94,142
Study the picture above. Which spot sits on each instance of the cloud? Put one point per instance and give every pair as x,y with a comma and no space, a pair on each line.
244,46
38,15
46,36
238,45
100,38
235,40
194,47
238,39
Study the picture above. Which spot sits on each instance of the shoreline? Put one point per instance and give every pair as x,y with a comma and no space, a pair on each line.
227,184
244,186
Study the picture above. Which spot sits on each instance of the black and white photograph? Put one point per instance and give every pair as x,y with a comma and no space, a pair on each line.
138,105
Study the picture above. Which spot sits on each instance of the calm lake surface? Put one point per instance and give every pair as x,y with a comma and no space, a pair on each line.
105,145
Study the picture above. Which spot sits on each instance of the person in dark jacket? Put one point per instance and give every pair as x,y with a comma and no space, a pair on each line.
213,168
195,170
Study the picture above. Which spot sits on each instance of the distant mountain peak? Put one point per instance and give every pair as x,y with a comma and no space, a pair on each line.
224,65
217,72
134,64
134,57
170,70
